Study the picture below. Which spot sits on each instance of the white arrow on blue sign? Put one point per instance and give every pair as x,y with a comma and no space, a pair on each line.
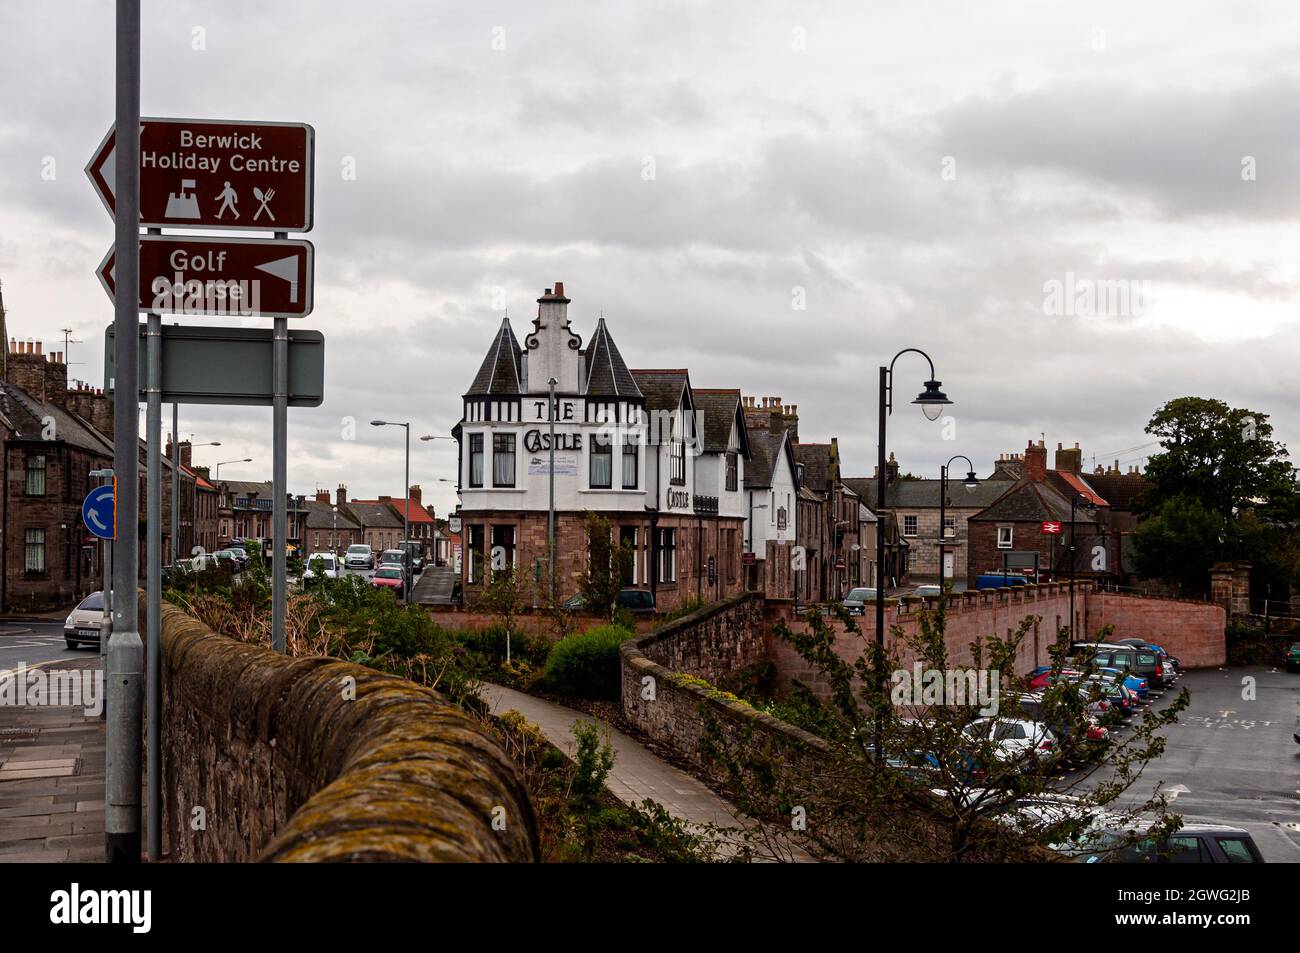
97,511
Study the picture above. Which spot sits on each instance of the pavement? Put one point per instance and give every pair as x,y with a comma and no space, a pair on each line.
52,780
638,774
434,585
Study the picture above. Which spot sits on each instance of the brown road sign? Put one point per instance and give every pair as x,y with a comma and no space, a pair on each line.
221,277
208,173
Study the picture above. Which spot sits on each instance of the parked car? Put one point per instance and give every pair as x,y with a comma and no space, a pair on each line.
1131,658
1138,685
81,627
392,557
926,591
236,558
635,601
1293,658
1014,739
416,550
1190,844
388,577
996,580
359,556
208,561
1032,706
855,602
320,565
1167,661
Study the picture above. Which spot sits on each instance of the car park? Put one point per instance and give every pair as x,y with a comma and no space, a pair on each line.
320,566
81,627
359,556
856,601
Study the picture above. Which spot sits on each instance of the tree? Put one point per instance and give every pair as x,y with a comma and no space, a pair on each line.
1180,541
908,777
1221,489
607,566
1225,457
505,592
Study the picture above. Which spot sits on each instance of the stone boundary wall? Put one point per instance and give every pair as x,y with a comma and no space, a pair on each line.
1193,632
529,621
286,769
676,711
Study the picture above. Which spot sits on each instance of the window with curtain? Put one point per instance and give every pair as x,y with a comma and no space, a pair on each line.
476,459
630,460
731,470
667,555
35,550
36,474
602,463
503,459
677,463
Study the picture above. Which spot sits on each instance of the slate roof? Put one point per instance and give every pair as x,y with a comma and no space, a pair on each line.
1029,501
662,389
607,374
374,514
25,414
924,494
720,409
320,516
816,460
499,373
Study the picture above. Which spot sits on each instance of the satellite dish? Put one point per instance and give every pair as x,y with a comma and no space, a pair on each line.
286,268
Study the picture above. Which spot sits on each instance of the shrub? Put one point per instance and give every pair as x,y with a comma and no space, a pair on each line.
586,664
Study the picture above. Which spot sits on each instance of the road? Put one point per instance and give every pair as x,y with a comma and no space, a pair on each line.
32,642
1230,760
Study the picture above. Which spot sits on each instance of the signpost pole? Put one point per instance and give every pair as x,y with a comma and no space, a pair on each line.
176,487
153,581
279,474
125,651
550,510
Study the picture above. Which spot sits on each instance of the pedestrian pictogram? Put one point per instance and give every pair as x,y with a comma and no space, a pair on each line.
209,173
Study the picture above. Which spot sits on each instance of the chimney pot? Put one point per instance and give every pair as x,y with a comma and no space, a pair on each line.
559,289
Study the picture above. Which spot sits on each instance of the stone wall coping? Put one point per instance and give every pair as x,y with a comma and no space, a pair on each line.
396,774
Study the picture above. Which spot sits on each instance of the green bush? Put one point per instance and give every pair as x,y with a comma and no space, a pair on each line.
586,664
488,646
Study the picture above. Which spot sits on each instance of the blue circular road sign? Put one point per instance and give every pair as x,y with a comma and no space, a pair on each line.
97,511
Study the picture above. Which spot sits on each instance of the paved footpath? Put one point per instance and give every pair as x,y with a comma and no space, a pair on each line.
51,782
638,774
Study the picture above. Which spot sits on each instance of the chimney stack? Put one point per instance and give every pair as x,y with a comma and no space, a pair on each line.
1036,462
322,496
413,494
341,495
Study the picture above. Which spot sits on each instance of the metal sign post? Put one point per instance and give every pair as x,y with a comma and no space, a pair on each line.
279,475
97,514
176,488
153,585
125,651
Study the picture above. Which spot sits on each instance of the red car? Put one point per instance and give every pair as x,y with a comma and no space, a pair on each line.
388,577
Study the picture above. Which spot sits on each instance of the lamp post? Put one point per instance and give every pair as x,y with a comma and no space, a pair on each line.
406,503
216,475
932,401
550,511
969,483
1090,507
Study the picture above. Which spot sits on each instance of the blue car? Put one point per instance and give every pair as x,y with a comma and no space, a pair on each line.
1134,683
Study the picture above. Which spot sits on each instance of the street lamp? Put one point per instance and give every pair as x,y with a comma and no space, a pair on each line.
406,504
217,471
1090,506
970,483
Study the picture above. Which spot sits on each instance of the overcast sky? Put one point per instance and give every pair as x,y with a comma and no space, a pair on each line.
913,176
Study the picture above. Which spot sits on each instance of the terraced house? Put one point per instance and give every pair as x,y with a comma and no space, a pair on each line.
640,448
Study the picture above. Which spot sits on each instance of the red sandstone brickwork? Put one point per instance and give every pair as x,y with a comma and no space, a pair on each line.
1191,631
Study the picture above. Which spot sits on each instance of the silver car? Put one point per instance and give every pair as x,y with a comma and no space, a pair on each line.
857,599
82,625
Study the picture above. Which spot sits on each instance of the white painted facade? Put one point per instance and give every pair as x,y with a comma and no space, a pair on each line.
771,512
